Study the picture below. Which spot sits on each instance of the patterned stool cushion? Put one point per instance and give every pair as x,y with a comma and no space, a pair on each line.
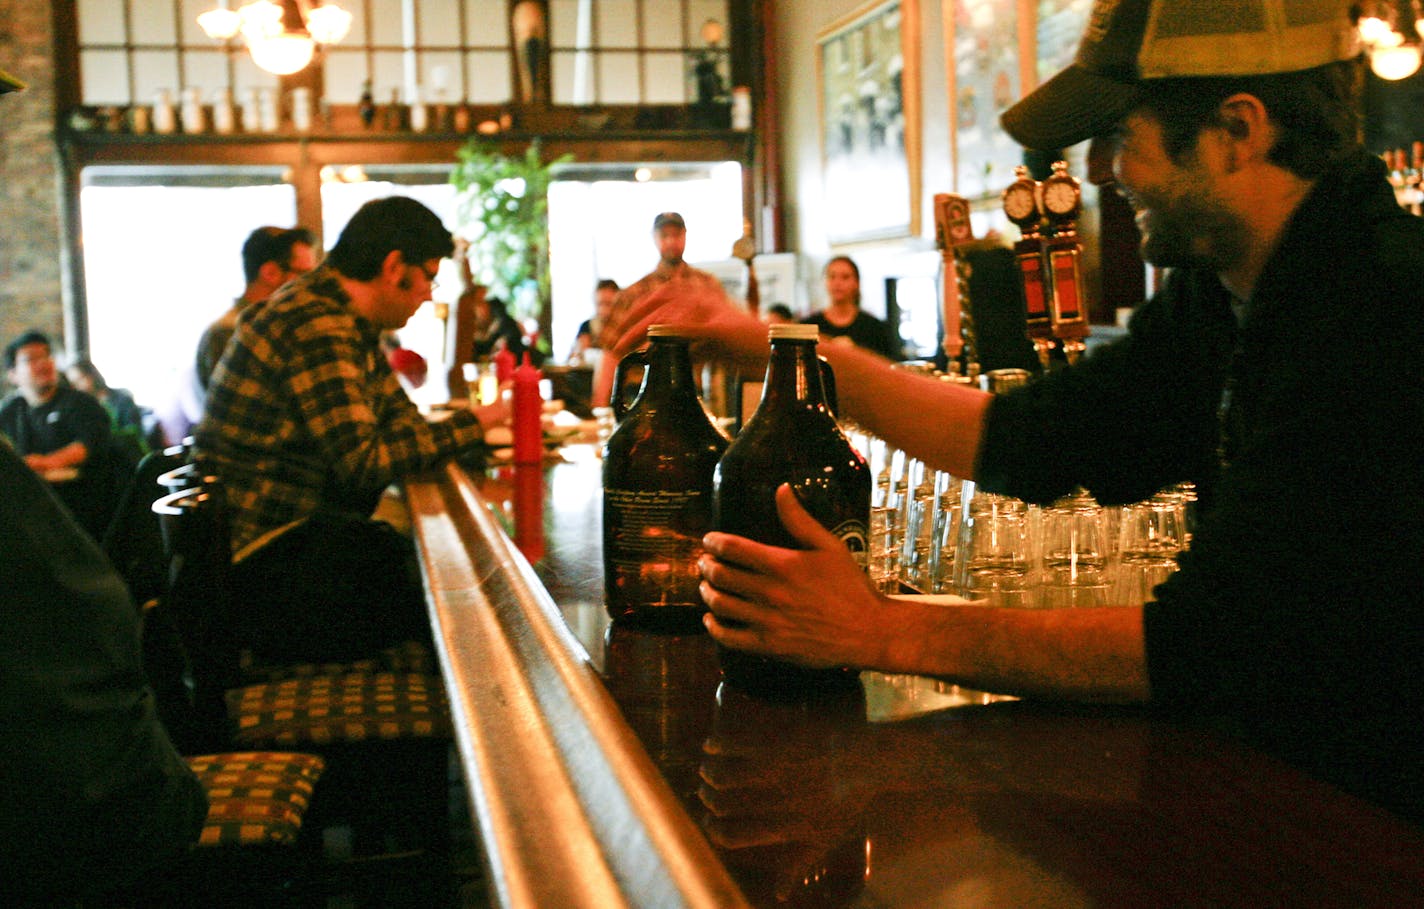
410,656
344,708
255,798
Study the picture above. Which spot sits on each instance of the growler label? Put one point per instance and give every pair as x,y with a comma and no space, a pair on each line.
646,521
853,534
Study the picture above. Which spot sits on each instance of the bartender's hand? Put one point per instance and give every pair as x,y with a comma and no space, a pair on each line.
812,606
702,312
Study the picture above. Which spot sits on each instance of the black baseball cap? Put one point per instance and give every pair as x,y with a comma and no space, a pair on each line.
9,83
1128,42
669,219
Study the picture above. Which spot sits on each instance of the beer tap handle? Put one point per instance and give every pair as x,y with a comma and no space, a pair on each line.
1063,203
953,232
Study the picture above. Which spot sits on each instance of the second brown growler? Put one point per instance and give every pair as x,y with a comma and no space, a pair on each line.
657,491
792,438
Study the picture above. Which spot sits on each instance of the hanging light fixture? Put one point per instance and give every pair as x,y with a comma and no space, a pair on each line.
1390,30
282,37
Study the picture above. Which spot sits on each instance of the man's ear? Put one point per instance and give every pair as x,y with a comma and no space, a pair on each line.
393,268
271,274
1247,127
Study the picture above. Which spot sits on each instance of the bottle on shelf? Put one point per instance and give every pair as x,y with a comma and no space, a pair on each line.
657,490
224,117
792,438
165,117
366,108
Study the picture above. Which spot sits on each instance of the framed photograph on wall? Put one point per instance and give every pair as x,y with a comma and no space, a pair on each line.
868,71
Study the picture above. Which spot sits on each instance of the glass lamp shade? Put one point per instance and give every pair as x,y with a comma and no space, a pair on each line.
1394,63
282,54
220,23
328,23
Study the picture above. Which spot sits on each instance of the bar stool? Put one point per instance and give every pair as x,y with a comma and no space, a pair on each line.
385,734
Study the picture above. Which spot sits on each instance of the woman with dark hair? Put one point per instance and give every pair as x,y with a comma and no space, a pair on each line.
843,318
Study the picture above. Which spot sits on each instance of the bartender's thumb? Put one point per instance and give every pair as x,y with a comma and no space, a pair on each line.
799,523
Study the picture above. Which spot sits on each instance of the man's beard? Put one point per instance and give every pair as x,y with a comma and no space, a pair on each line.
1192,231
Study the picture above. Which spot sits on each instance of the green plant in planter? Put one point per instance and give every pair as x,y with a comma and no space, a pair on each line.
503,212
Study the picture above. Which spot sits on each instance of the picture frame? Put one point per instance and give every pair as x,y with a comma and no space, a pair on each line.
868,80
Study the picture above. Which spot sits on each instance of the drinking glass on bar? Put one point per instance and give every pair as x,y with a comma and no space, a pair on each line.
994,557
1075,553
1150,536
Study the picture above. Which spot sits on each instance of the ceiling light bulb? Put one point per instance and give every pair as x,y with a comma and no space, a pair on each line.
1374,30
328,23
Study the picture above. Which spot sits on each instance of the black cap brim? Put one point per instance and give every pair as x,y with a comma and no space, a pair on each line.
1072,107
9,83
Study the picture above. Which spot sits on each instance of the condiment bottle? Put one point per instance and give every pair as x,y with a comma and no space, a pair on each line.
504,363
528,408
792,438
657,490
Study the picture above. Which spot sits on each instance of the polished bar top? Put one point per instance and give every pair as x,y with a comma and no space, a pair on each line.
914,793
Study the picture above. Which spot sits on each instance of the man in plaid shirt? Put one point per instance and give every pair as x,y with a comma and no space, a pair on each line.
307,425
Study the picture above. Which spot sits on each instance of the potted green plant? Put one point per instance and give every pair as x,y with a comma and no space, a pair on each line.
503,216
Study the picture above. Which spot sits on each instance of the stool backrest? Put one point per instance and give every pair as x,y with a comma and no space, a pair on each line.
199,593
133,542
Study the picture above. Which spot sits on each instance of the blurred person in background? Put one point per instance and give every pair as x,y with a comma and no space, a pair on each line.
843,321
590,331
496,329
62,434
670,237
129,436
271,256
778,314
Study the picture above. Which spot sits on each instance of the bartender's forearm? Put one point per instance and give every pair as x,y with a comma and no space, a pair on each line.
603,379
71,455
1081,655
938,422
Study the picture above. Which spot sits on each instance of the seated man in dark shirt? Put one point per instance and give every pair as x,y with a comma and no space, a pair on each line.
94,793
62,434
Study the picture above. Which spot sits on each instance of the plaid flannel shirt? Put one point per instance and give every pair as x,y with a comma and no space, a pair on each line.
304,413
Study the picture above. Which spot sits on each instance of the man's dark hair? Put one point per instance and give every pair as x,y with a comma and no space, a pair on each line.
1316,110
33,336
394,223
272,244
606,284
782,310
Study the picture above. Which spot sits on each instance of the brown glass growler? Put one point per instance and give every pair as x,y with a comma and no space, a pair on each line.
792,438
657,491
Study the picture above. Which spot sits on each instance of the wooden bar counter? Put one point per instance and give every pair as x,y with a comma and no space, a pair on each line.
607,768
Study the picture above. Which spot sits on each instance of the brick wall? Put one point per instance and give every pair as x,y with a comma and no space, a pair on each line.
30,284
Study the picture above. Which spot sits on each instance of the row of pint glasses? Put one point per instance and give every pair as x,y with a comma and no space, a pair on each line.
934,533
